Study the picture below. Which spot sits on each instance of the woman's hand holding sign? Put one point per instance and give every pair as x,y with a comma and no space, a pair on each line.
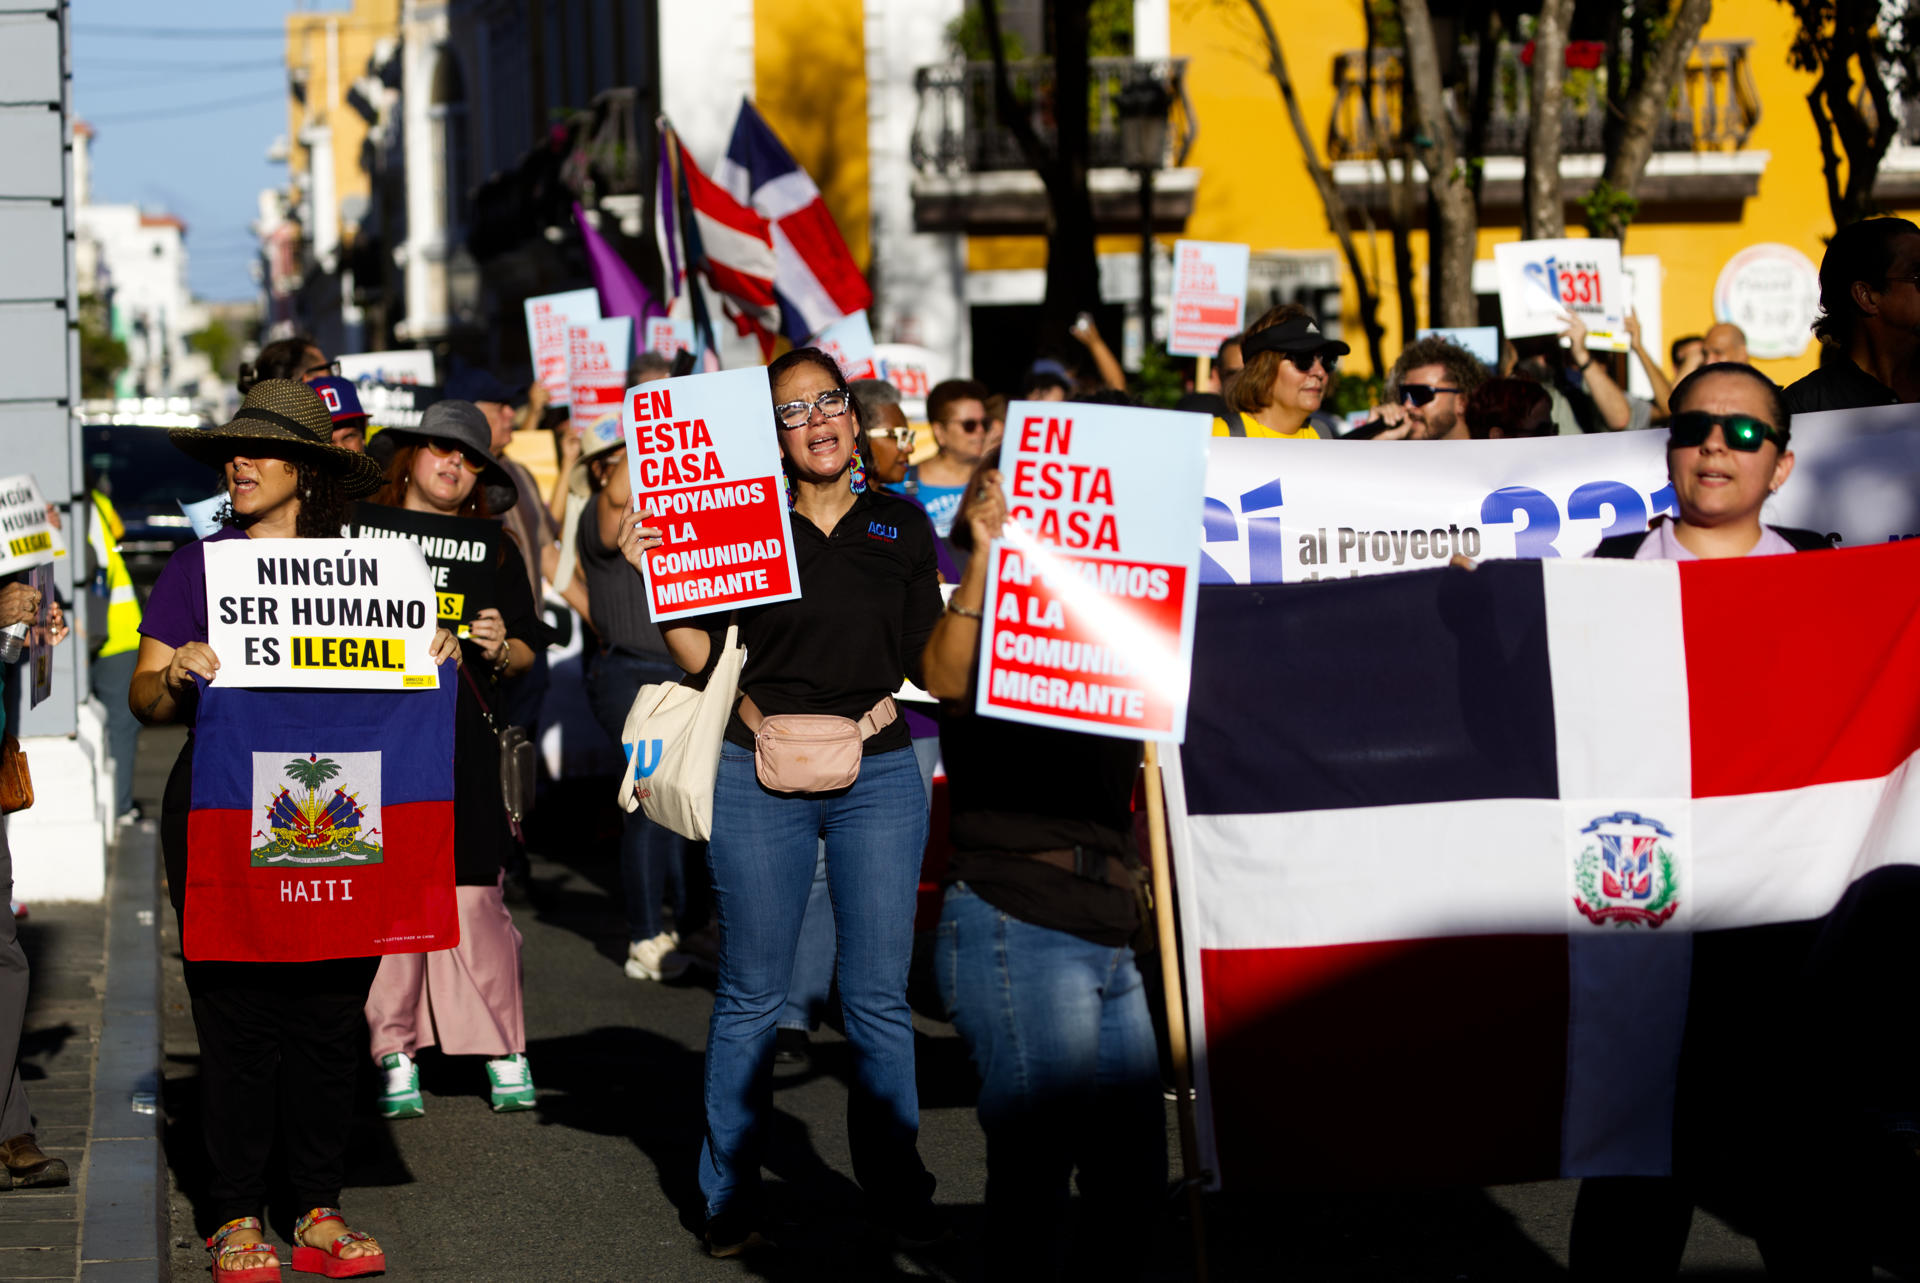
195,659
446,646
637,539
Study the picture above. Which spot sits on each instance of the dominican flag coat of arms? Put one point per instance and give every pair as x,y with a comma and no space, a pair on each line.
321,824
1449,845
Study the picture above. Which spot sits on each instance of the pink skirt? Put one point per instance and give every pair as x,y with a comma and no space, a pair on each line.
466,999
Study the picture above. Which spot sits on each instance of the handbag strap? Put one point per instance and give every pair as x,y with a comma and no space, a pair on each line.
478,698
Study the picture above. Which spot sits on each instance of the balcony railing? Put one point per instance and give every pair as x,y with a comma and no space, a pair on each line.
956,129
1715,106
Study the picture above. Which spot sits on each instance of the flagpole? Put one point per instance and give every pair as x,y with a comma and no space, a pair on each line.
1201,371
1170,972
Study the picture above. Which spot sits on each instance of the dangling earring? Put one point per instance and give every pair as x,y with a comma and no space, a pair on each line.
786,485
858,477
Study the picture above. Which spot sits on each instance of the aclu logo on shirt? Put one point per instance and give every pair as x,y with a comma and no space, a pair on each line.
879,530
316,810
1626,871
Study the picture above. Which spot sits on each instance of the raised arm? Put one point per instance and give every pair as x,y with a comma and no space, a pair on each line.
953,651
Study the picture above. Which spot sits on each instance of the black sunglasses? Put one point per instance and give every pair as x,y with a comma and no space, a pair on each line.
1422,393
1740,431
1304,361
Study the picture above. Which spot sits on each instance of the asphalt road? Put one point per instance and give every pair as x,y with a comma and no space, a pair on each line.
597,1182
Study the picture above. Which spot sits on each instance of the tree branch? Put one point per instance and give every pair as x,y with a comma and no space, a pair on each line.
1627,162
1545,215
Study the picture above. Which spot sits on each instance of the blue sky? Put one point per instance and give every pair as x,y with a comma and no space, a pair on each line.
185,97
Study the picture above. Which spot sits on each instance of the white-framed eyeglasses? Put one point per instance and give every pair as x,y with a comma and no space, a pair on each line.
797,414
904,438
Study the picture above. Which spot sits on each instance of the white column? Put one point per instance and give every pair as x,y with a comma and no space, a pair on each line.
1152,29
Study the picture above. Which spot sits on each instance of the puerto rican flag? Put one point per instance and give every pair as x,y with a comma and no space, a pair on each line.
321,824
1451,848
733,246
815,277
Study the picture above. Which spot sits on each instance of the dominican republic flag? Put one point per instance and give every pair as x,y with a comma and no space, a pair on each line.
815,277
321,824
1445,842
733,246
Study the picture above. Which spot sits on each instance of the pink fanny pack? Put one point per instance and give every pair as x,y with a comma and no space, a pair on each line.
811,752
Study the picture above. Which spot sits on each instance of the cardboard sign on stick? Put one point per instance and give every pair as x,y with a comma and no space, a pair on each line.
1091,591
704,463
345,614
1209,296
548,316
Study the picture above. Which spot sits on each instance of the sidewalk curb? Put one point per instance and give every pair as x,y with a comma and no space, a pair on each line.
123,1234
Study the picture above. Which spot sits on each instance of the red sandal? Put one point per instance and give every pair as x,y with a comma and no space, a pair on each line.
327,1260
222,1250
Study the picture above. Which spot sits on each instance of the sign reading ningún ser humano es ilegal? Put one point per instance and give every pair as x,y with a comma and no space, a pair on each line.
704,464
27,538
1091,589
345,614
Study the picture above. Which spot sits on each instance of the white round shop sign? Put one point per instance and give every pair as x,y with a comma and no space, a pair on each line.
1772,292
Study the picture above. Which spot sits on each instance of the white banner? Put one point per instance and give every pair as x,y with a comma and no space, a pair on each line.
1856,473
339,613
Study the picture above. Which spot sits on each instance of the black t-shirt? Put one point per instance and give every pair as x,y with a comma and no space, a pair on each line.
869,597
1838,385
616,594
1014,788
482,838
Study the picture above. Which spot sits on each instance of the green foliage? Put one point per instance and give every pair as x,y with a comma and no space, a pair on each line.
310,775
1110,29
102,356
1353,392
1608,209
967,36
1161,381
220,345
1389,34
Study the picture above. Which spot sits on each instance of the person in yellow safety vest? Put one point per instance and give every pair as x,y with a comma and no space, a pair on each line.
112,668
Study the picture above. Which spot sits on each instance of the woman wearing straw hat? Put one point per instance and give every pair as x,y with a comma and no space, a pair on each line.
268,1032
467,999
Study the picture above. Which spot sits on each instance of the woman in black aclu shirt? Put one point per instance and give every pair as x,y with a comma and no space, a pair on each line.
869,597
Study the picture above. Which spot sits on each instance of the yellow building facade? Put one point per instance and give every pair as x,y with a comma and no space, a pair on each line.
327,52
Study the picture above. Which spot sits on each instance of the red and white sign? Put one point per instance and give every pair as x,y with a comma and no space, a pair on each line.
849,341
1091,590
913,370
548,316
1209,296
668,336
598,353
705,463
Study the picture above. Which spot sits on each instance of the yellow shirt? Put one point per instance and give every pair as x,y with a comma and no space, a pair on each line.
1254,428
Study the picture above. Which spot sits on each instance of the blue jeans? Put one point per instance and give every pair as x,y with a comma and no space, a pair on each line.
653,860
813,959
762,854
1069,1078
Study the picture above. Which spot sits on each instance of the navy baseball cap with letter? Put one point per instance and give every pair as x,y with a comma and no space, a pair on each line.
341,398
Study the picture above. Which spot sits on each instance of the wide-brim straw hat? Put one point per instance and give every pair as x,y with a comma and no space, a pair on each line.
282,419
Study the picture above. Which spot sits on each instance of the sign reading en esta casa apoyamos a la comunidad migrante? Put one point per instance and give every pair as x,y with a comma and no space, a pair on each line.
342,613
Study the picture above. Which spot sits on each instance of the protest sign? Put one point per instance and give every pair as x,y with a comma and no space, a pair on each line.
849,341
336,613
396,405
598,354
463,554
548,316
27,538
40,636
1089,608
409,365
914,371
1772,292
704,462
669,337
1481,340
203,515
1542,281
1283,511
1209,296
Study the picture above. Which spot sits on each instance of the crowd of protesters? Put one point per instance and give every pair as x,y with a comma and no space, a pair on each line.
802,898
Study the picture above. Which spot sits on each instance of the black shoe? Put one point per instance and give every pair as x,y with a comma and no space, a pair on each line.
924,1226
730,1234
517,887
791,1047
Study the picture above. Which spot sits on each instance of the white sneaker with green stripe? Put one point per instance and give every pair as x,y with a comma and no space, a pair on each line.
400,1097
511,1083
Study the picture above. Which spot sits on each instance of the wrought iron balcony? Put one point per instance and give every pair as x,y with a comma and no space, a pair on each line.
956,129
1714,109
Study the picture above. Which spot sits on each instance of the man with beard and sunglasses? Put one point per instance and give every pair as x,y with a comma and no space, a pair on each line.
957,413
1289,367
1427,389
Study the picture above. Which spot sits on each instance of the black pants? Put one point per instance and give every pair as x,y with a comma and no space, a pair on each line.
281,1044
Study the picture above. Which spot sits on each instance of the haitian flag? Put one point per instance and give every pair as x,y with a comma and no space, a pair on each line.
1446,842
321,824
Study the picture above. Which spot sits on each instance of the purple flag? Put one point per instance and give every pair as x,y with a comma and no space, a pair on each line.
621,293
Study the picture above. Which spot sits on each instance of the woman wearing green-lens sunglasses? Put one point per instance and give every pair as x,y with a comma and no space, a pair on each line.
1726,452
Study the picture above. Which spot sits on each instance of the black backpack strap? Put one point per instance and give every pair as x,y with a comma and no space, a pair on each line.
1236,426
1805,540
1621,546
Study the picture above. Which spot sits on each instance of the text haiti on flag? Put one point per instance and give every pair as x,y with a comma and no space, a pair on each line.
321,824
1447,861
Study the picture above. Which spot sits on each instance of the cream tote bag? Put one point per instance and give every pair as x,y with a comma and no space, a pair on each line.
672,741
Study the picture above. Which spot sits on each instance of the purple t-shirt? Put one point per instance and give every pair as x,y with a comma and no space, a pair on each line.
177,609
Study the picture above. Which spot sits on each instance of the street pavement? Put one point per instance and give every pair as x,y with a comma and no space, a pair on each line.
597,1183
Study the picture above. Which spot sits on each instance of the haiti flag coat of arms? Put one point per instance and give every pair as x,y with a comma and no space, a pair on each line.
321,825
